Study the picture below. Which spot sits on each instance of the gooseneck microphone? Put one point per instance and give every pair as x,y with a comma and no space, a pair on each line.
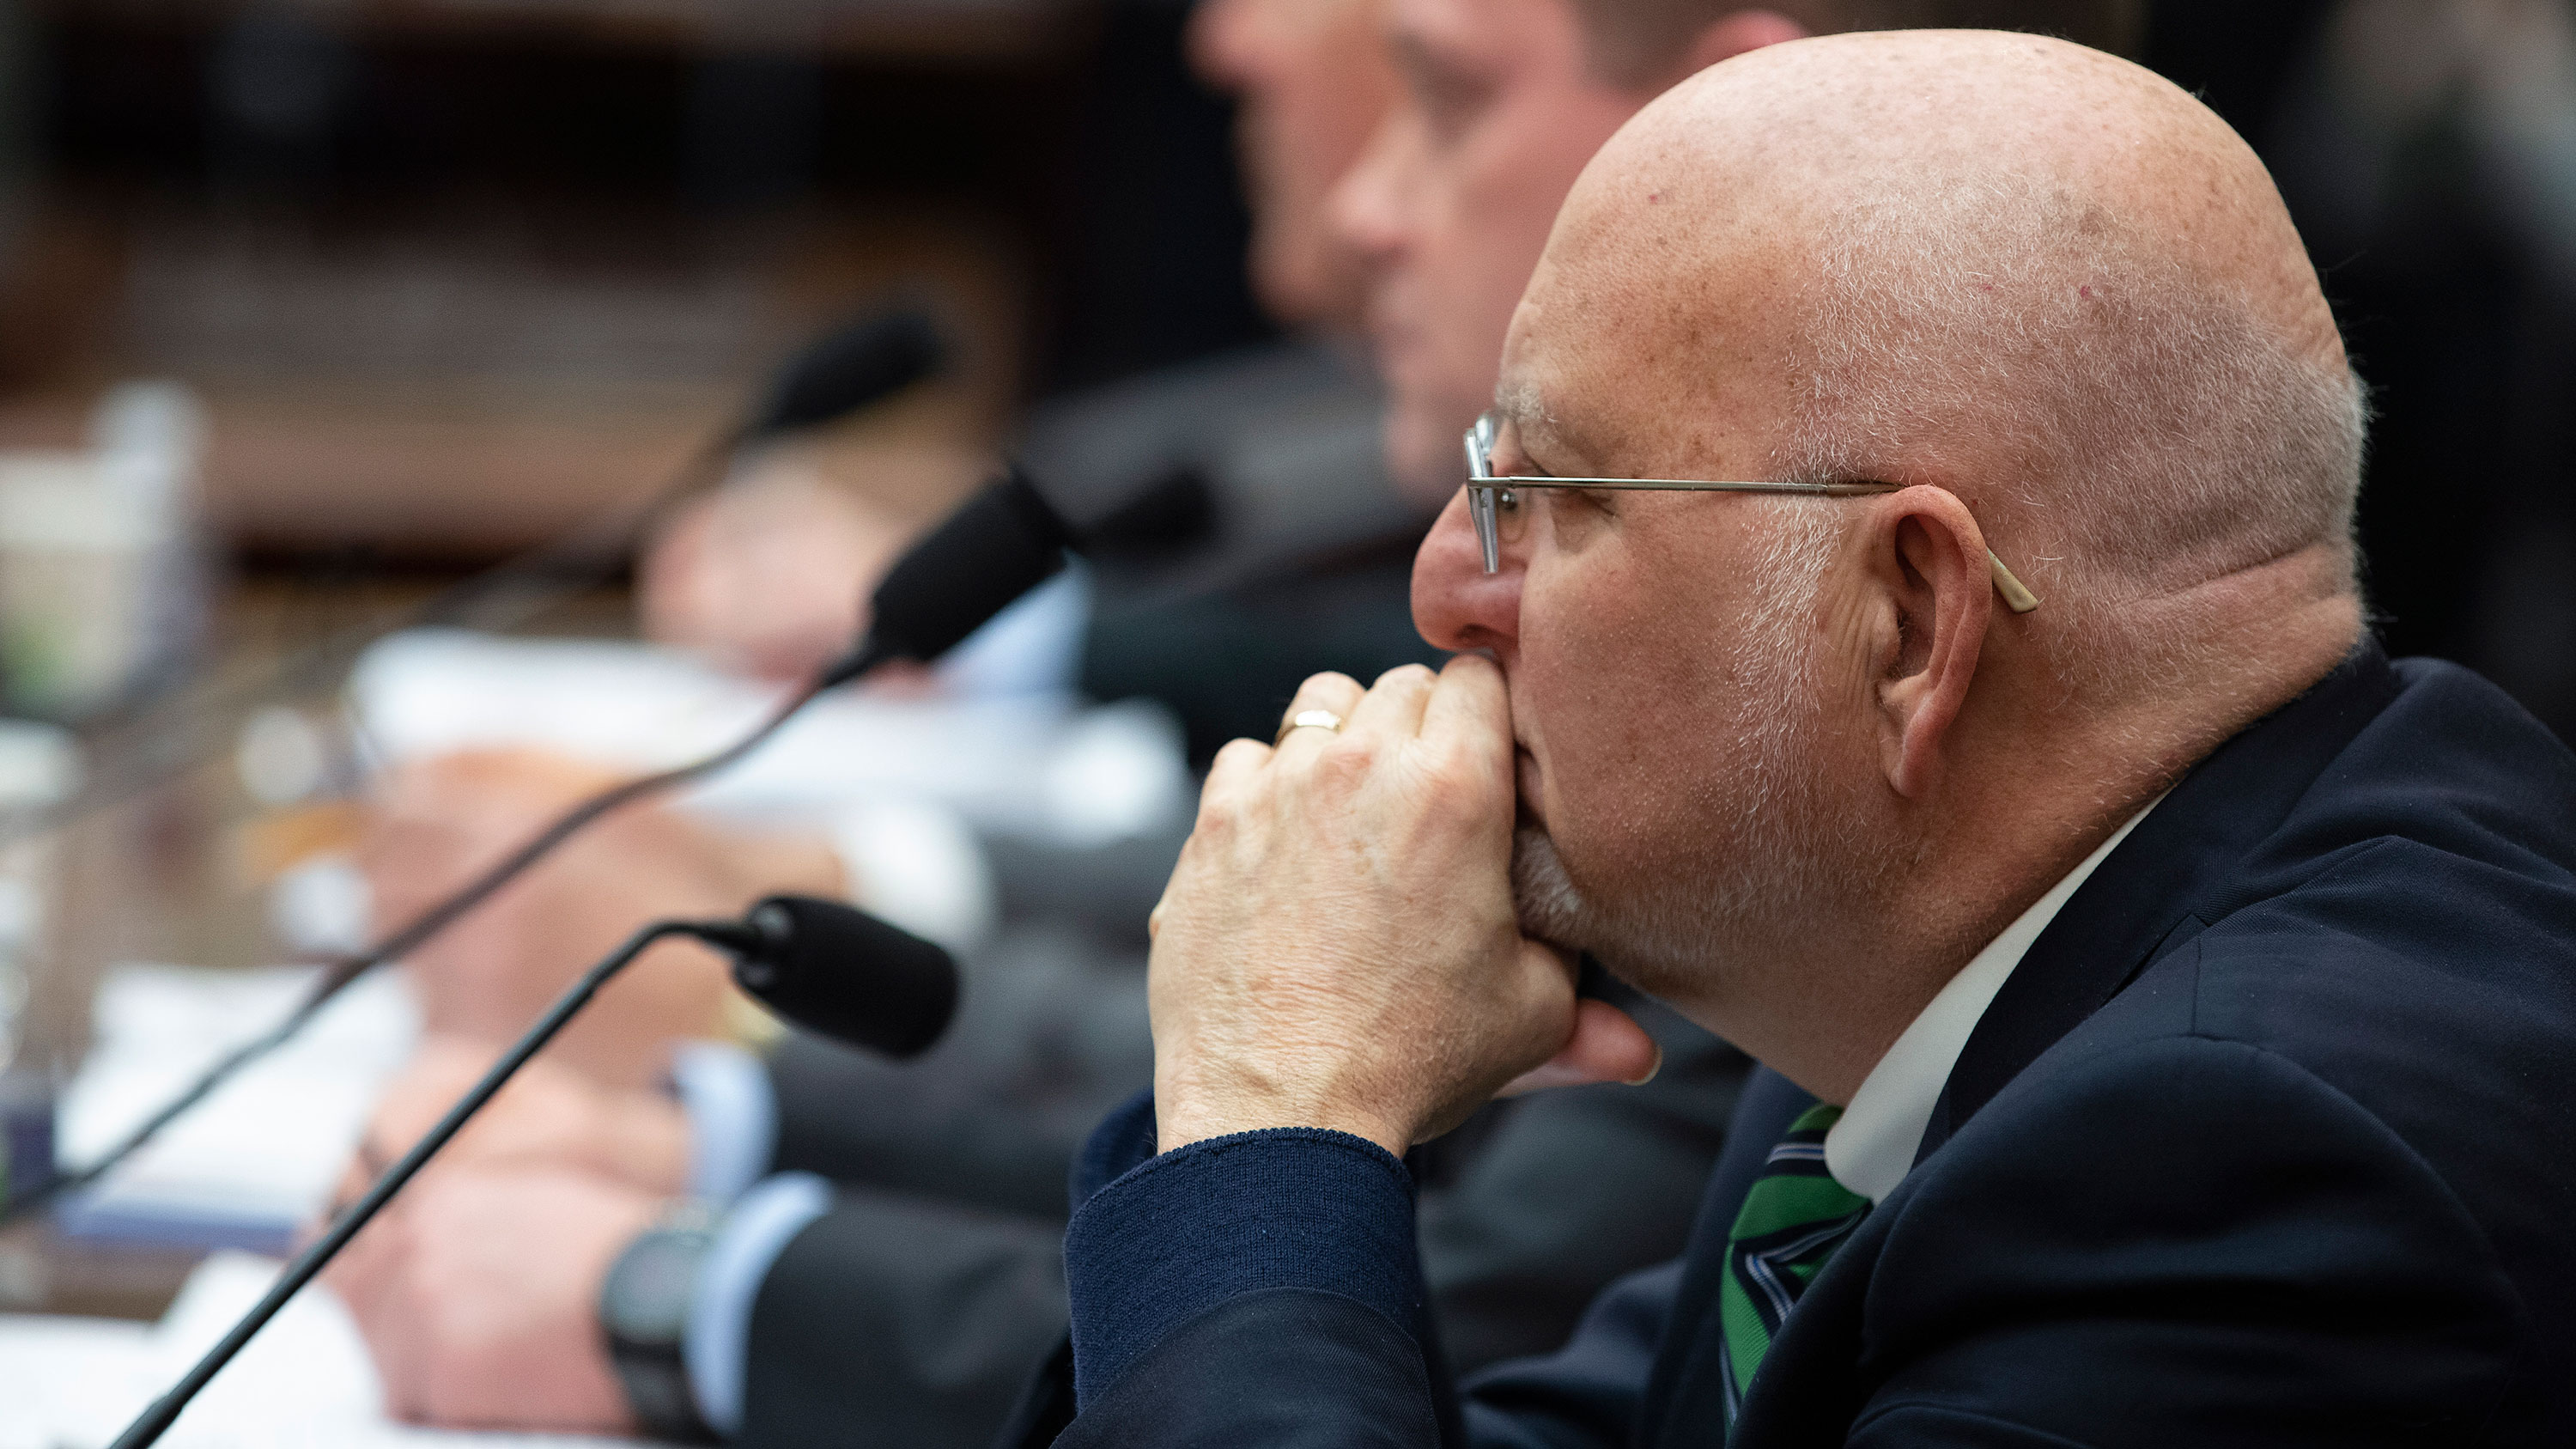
998,545
862,980
855,365
1003,542
795,954
860,362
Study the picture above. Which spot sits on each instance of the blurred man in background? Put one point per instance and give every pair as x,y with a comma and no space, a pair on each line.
1504,101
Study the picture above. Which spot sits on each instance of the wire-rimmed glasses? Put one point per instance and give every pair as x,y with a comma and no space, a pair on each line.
1490,497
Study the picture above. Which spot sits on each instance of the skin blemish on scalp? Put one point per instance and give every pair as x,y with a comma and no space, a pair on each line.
2084,292
1654,198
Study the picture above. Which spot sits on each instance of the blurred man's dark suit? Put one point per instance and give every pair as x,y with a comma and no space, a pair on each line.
1268,547
2267,1141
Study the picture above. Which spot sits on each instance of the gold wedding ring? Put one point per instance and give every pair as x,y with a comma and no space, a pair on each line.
1308,719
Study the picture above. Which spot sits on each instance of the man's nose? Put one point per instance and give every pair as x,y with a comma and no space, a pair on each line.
1456,604
1365,210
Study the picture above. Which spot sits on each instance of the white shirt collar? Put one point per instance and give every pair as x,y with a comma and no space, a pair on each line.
1872,1147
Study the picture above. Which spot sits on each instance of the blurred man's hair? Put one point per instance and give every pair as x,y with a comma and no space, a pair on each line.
1633,41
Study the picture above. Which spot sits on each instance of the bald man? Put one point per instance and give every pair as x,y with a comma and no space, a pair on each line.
1914,633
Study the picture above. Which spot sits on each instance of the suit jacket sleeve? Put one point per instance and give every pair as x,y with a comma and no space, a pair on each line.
1262,1289
893,1321
2182,1241
1050,1035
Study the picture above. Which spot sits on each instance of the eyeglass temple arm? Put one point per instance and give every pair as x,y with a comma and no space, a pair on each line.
2016,598
1481,508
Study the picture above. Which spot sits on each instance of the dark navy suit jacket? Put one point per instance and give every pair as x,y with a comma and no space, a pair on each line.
2270,1139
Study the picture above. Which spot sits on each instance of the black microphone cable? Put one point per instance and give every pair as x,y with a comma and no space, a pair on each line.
997,546
793,949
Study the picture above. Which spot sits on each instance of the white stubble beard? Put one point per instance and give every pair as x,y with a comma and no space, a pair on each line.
1791,847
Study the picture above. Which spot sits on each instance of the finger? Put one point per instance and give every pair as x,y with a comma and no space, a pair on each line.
1607,1045
1235,766
1335,694
1393,706
1470,703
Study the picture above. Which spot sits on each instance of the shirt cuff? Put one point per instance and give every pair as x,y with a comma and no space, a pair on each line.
717,1340
1292,1207
917,865
733,1117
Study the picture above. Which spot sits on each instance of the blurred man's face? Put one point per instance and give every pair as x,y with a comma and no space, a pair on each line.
1451,205
1312,81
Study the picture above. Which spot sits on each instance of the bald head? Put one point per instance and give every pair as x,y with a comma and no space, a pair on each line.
2031,273
1633,41
1770,741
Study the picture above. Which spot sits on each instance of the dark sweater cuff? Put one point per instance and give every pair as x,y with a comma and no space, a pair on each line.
1293,1207
1124,1141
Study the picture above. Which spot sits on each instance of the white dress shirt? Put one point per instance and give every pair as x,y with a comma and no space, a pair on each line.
1872,1147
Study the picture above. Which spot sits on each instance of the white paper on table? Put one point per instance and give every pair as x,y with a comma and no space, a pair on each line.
261,1155
304,1383
1035,764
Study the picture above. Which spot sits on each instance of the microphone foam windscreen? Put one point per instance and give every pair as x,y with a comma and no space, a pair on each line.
847,369
1002,543
837,970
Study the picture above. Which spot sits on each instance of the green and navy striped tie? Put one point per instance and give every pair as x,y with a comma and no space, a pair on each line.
1792,1220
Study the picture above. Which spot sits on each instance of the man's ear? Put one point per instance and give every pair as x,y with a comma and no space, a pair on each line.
1928,559
1743,30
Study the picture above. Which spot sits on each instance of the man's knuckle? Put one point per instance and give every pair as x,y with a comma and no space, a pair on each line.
1218,817
1347,760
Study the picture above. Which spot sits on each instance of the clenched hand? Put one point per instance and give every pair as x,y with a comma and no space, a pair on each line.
1338,947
